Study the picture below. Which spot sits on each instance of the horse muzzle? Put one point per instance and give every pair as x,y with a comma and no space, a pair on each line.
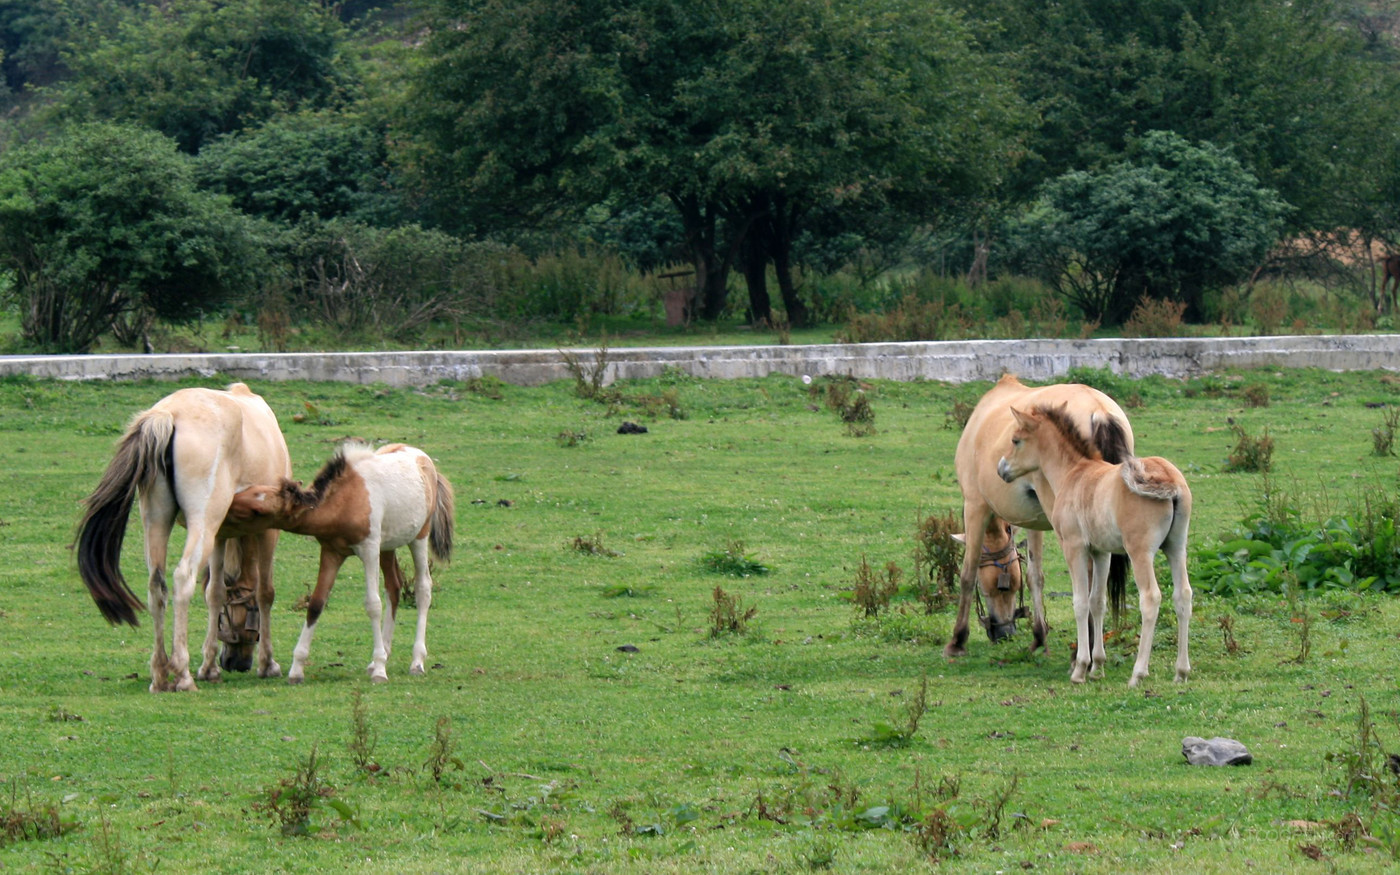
1004,470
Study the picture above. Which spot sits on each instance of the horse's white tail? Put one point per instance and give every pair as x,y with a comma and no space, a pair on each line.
141,459
441,524
1150,478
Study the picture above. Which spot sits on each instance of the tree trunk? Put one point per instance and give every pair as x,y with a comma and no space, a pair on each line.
755,259
711,272
784,224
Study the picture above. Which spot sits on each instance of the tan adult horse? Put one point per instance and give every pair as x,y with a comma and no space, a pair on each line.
365,503
185,456
1137,507
989,502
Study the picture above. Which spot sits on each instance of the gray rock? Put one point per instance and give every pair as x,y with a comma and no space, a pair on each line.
1215,752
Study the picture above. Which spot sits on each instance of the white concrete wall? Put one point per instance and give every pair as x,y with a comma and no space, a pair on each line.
950,361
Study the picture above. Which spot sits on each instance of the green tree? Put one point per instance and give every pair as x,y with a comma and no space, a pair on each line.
746,115
321,164
1171,222
200,68
1294,90
103,227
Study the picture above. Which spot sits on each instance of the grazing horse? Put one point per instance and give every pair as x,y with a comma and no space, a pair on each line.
1137,507
989,503
186,456
368,504
999,580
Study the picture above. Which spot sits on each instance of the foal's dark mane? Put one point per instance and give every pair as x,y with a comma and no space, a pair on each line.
328,475
1059,417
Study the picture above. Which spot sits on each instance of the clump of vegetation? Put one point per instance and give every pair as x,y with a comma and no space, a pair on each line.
1383,435
1227,630
363,738
592,545
1155,317
728,616
441,756
886,733
1251,454
292,801
1256,395
589,377
873,590
937,560
569,438
847,398
959,414
734,561
24,820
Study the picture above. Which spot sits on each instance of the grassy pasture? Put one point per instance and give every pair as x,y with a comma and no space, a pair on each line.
555,751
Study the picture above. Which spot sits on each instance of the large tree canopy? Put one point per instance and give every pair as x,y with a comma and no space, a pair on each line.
739,112
197,69
1171,222
1291,88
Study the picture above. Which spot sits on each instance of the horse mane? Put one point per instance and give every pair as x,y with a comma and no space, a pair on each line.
1059,417
348,453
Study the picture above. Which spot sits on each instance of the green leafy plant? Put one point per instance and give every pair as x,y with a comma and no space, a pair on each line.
592,545
292,801
441,752
885,733
734,561
363,737
937,559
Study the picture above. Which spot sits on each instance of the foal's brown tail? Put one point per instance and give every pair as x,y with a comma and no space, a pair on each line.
1111,441
440,526
142,457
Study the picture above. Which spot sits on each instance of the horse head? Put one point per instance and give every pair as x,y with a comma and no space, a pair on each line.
1025,452
998,582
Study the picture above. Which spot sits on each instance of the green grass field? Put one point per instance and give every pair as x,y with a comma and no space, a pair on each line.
534,744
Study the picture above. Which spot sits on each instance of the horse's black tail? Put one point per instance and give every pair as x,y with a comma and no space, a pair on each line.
1111,440
142,457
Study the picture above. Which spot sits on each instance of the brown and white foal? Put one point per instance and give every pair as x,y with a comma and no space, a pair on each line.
367,503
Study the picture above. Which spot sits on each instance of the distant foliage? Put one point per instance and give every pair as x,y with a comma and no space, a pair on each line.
1170,220
103,224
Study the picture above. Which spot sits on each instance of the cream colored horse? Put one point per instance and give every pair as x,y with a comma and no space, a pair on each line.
1136,507
185,456
368,504
1025,503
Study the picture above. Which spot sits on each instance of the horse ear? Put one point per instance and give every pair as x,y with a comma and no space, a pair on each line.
1023,419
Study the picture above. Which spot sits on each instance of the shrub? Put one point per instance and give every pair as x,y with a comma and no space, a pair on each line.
1153,317
1250,454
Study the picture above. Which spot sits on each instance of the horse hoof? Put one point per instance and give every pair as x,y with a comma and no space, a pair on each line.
271,670
186,685
294,678
415,670
379,678
951,652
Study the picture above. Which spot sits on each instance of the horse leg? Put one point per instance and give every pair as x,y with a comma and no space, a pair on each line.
199,547
157,519
374,607
325,579
1098,607
1149,603
1078,560
423,595
1035,570
392,576
975,519
258,555
1181,601
215,597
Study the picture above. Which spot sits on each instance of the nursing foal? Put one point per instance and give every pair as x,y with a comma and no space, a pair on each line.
367,503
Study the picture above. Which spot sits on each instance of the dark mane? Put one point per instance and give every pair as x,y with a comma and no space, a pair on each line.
1057,416
332,471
